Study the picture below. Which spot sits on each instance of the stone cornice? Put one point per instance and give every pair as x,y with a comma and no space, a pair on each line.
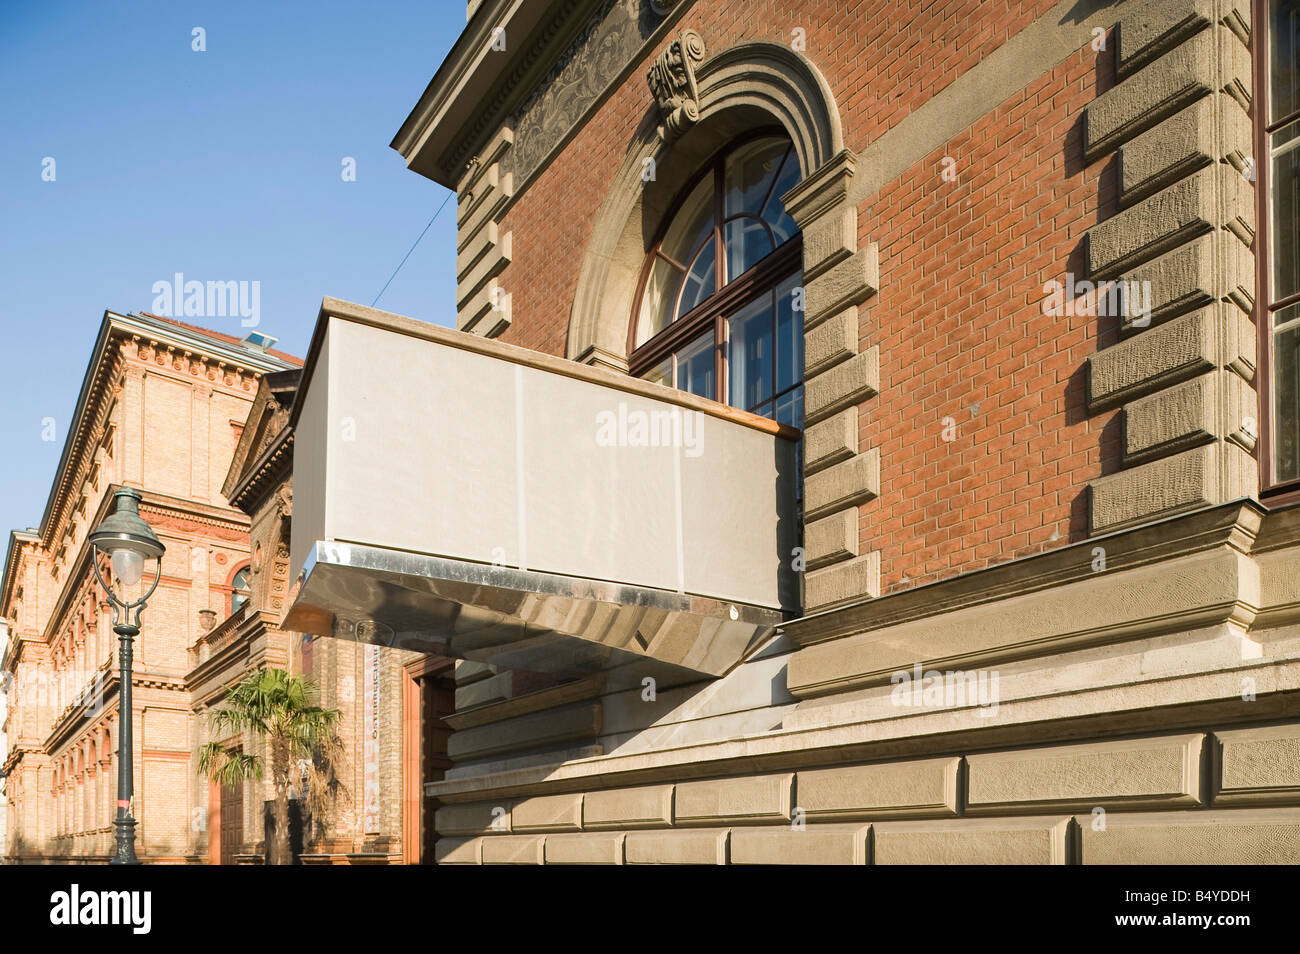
17,648
12,557
233,657
16,753
1234,524
224,667
76,716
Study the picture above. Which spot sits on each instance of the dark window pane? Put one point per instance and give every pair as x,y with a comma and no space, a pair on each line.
749,354
695,367
747,244
1286,215
692,223
757,175
749,174
701,281
240,585
1286,389
789,408
1284,45
661,373
774,212
657,302
789,335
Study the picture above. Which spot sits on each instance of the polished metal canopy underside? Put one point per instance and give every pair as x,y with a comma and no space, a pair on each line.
517,619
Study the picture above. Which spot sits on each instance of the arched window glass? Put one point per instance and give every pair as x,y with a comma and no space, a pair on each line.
717,313
241,591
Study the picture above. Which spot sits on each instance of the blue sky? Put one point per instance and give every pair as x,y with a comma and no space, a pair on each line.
224,165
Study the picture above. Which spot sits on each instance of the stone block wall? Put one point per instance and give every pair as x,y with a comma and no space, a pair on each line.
1190,798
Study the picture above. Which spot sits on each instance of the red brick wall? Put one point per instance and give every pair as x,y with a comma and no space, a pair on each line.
879,58
958,319
962,334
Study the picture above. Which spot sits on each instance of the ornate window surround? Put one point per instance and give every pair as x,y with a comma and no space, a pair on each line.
740,89
743,88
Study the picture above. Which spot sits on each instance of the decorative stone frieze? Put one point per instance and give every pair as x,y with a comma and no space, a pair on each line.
615,36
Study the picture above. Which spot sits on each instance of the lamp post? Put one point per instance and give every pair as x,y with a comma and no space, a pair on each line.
128,541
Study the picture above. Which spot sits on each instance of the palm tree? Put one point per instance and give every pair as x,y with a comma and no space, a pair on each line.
280,710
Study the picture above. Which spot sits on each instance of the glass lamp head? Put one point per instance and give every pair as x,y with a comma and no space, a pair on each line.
126,538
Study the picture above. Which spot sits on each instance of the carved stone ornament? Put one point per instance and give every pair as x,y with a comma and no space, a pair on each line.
672,81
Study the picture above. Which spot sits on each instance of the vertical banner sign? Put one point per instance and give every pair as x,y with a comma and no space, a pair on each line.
370,730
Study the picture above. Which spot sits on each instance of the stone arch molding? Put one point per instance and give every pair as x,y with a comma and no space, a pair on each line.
744,86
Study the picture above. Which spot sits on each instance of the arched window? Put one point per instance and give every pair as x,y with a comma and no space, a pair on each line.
239,586
717,311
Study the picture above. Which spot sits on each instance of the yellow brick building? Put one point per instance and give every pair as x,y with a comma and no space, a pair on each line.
161,408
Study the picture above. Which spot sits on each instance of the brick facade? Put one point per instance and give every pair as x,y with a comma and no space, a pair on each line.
998,483
162,410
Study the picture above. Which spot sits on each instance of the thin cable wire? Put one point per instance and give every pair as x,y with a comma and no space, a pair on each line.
445,200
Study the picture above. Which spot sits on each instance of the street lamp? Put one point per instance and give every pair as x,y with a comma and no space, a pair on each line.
128,541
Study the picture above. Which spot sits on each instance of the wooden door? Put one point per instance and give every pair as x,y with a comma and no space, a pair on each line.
232,822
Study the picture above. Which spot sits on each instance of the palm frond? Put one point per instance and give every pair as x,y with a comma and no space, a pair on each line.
228,767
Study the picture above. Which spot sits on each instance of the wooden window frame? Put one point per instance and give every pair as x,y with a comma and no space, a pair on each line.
1271,492
727,299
